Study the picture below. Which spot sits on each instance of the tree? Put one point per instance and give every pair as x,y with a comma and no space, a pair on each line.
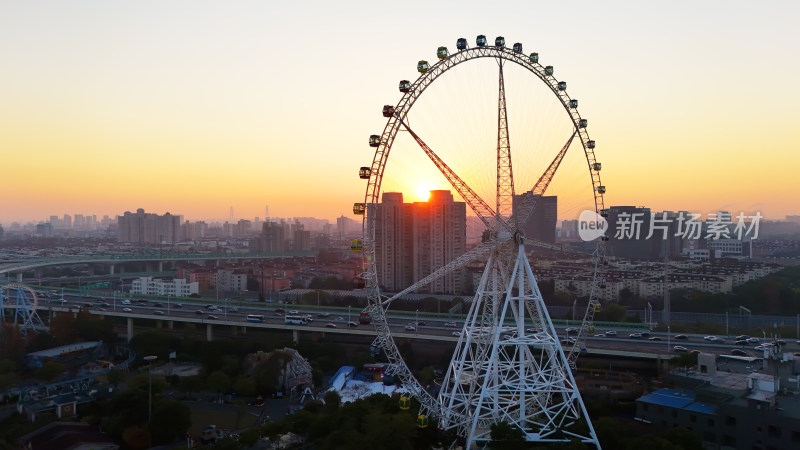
218,381
332,401
170,421
115,377
50,371
505,436
244,386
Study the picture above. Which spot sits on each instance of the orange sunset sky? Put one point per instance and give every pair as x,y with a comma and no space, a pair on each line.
194,107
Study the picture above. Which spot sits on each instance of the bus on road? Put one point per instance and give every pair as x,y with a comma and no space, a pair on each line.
255,318
295,320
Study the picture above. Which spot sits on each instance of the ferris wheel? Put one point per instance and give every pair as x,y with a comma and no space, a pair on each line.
508,365
20,302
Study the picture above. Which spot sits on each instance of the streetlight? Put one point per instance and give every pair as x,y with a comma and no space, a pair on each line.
416,321
150,360
668,335
348,316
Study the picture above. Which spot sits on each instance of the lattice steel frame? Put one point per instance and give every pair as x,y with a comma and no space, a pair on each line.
26,302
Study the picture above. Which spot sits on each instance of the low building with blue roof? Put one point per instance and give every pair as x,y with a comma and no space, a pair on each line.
728,410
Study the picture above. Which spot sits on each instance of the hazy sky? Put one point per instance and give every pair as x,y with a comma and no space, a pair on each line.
193,107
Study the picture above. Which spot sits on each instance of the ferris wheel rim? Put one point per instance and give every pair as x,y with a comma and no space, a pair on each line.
380,158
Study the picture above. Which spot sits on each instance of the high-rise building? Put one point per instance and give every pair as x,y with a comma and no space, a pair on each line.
440,236
272,238
541,224
393,242
413,240
148,228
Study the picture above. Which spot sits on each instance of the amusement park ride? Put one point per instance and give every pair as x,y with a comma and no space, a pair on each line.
524,379
18,303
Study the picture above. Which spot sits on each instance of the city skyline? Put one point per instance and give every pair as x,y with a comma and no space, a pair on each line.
194,108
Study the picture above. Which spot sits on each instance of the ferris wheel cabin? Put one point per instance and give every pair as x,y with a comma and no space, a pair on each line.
597,166
364,173
405,86
374,140
356,245
601,189
517,47
422,66
359,208
573,103
534,58
499,41
582,123
548,70
388,110
441,52
590,144
562,85
461,44
481,40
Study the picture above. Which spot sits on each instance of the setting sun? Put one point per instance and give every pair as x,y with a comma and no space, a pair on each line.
423,192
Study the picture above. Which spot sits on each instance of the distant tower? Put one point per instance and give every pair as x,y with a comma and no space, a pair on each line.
266,212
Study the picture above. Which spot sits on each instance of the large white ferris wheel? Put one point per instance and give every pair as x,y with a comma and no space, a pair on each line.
508,365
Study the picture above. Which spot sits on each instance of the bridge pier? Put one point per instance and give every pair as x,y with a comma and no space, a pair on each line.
235,331
295,337
130,328
244,330
111,270
161,266
209,332
159,323
170,324
19,277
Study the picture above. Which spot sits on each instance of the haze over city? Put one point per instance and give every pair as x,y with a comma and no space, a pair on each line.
196,107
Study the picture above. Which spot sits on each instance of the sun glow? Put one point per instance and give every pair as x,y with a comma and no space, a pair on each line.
423,192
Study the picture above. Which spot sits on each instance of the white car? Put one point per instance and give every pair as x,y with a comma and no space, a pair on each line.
450,324
411,328
127,310
710,338
456,333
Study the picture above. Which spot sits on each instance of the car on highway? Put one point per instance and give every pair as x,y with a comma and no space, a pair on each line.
352,324
760,348
680,349
158,312
450,324
571,330
456,333
635,335
213,317
710,338
324,314
178,305
681,337
233,309
611,333
654,338
127,310
753,340
410,327
199,311
105,305
294,311
330,325
158,305
568,341
737,352
421,323
645,334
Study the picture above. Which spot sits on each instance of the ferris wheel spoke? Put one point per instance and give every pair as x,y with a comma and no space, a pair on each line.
505,174
530,198
471,198
481,251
